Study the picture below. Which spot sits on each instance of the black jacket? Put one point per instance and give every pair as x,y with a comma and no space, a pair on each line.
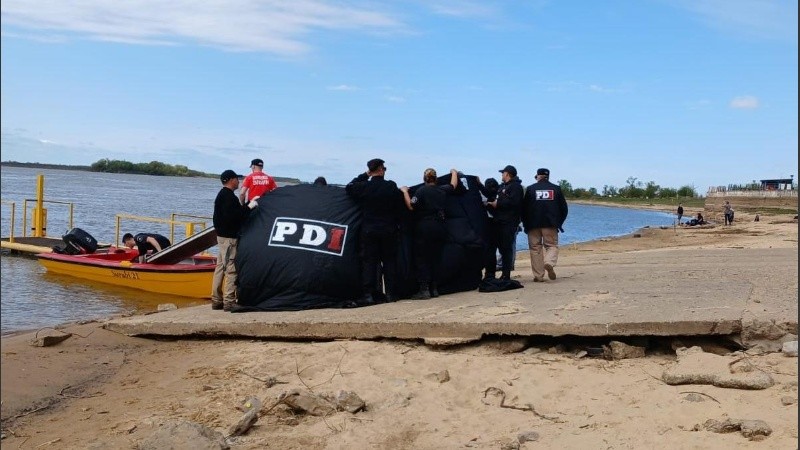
380,200
544,206
229,214
509,203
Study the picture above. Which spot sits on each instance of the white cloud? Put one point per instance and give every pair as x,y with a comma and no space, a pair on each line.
272,26
759,18
745,102
395,99
342,87
460,8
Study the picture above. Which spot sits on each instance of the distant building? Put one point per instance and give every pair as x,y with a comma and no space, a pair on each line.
778,184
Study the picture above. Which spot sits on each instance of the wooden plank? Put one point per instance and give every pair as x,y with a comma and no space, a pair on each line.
186,248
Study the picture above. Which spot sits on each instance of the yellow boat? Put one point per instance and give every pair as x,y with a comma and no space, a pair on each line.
191,277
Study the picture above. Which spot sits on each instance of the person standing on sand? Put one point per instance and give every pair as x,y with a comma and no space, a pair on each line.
229,215
489,190
728,211
680,212
257,183
430,231
506,209
543,215
381,203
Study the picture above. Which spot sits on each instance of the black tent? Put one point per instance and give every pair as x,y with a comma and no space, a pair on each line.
299,248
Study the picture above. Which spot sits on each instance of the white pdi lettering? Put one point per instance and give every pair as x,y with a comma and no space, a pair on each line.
309,235
545,195
312,234
282,229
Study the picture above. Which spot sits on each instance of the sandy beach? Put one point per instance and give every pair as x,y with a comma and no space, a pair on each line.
102,390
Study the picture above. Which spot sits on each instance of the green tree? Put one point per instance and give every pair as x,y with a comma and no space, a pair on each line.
687,191
651,189
566,188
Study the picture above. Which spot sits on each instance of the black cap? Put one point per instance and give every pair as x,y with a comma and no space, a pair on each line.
543,171
510,169
257,162
228,175
374,164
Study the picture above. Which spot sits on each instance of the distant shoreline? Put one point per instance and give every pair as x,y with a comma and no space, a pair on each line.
286,180
44,166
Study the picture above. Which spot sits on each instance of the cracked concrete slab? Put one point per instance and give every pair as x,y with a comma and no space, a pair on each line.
672,292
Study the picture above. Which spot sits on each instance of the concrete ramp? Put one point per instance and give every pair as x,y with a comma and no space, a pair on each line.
186,248
651,293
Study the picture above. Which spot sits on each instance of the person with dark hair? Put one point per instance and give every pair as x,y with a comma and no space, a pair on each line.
381,204
229,215
545,210
146,243
506,209
728,212
257,183
430,232
680,212
320,181
489,191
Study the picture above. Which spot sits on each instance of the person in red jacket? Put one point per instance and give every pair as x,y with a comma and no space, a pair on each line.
257,183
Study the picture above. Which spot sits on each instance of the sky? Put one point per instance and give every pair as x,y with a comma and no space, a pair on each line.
678,92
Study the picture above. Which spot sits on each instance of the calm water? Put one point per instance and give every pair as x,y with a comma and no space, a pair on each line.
32,298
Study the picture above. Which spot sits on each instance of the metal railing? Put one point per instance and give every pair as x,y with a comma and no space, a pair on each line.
13,221
13,218
188,224
44,221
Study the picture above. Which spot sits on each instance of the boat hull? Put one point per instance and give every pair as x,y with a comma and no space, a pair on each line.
190,279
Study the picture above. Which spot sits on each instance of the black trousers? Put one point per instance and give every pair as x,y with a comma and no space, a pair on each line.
378,255
429,237
490,257
505,243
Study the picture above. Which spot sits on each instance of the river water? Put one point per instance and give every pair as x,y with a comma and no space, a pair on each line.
32,298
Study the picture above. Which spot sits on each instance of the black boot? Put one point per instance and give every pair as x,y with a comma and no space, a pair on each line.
434,290
506,275
366,300
423,293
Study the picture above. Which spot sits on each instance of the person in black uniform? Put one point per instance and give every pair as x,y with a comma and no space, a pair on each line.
381,204
506,209
429,229
489,190
146,243
229,215
544,213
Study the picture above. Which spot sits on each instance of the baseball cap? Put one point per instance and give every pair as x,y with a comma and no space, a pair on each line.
257,162
374,164
543,171
228,175
510,169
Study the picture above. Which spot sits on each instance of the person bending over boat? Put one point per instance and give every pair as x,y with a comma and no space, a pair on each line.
146,243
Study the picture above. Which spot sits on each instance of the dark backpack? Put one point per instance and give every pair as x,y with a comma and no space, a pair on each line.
498,285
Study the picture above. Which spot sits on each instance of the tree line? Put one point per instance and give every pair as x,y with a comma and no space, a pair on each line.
634,188
149,168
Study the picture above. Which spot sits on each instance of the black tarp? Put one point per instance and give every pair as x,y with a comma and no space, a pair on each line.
279,269
283,260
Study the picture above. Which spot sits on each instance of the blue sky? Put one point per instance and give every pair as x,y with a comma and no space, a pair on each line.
679,92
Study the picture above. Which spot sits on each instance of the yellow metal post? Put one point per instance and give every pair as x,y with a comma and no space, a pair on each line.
39,213
116,242
189,229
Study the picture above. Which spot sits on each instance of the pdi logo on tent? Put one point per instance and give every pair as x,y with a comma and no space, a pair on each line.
311,235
